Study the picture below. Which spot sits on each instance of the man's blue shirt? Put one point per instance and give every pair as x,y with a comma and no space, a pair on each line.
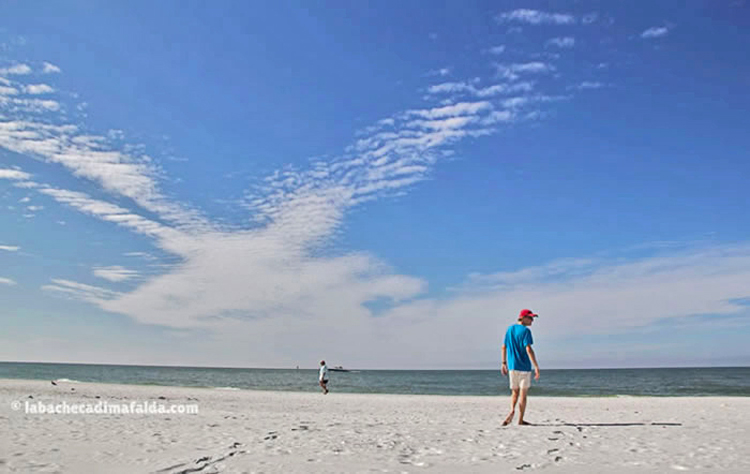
517,338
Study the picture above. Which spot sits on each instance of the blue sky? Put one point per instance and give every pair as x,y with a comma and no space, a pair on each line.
266,184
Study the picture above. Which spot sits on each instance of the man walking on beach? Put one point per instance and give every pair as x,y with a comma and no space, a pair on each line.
517,359
323,377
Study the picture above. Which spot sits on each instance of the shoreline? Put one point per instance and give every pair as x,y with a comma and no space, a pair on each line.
503,392
278,431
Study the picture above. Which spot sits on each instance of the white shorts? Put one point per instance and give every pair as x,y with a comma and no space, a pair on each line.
519,379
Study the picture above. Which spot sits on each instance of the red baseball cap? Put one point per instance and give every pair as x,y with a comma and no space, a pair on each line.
527,313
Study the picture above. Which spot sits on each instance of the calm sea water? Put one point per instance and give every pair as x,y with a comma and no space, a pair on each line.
576,383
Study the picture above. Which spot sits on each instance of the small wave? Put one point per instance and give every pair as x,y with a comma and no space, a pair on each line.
67,380
226,388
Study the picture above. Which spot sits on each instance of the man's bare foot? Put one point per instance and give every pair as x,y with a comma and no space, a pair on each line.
524,423
509,419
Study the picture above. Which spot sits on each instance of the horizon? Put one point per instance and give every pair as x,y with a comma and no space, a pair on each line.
258,184
313,368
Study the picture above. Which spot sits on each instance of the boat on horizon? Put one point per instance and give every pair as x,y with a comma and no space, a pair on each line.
339,368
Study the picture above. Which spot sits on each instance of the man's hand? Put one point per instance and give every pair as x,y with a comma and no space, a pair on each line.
504,369
536,373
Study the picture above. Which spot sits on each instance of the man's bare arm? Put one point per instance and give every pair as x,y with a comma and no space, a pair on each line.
504,368
532,356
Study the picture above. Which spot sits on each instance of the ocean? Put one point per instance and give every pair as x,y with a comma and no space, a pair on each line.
674,382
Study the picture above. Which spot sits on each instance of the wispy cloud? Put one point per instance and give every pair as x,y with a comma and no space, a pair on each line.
10,248
618,297
440,72
500,49
36,89
536,17
90,156
561,42
16,70
80,291
7,91
7,281
513,72
115,273
49,68
589,85
235,274
655,32
469,88
144,255
261,279
14,174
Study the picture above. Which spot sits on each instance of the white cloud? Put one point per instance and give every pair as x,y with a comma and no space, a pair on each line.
271,271
26,184
589,85
499,116
655,32
536,17
497,49
115,273
439,72
36,89
18,69
144,255
482,92
574,298
6,91
90,157
80,291
561,42
513,72
7,281
269,285
10,248
461,108
268,275
13,174
522,101
34,208
50,68
112,213
35,106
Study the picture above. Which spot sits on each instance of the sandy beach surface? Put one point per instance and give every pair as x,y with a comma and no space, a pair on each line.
252,431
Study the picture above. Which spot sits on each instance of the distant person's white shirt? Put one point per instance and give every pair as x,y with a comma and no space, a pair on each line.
323,373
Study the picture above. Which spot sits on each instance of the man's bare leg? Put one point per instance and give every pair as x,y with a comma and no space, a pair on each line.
513,401
522,407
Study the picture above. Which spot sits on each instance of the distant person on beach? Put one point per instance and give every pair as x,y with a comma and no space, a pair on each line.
323,377
517,359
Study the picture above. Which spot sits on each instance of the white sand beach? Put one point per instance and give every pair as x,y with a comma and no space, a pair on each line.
242,431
